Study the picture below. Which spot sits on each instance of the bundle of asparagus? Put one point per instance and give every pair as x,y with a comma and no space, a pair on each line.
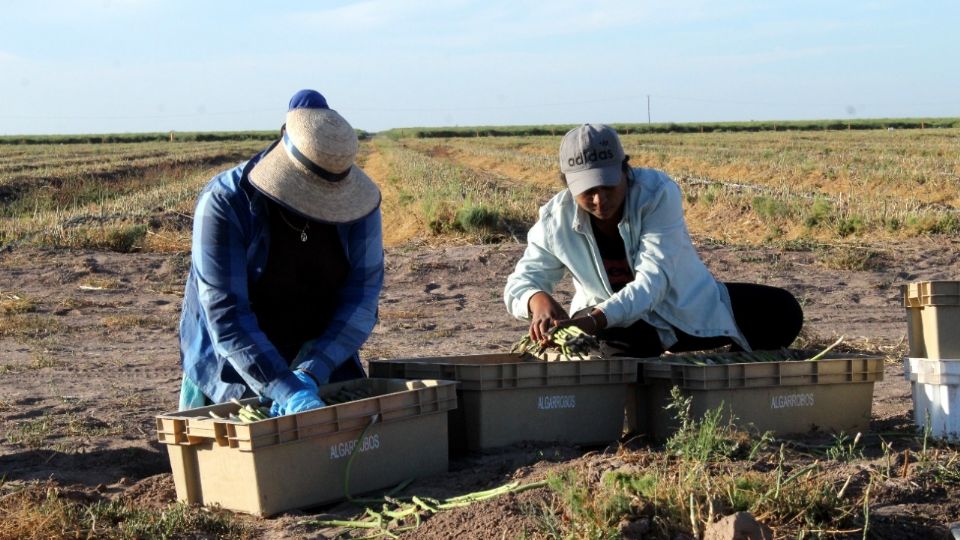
570,341
245,413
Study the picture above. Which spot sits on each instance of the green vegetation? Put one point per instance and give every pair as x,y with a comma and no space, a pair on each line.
689,127
704,474
449,199
710,438
121,197
758,187
168,136
707,477
788,186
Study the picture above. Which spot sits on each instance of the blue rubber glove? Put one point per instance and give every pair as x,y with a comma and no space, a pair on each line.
302,400
299,401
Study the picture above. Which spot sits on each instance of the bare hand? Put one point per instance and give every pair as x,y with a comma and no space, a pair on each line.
586,324
545,313
591,324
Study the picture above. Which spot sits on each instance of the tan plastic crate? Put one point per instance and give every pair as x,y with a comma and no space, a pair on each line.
791,396
933,319
300,460
508,398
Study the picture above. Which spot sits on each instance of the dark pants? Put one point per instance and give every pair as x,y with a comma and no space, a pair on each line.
768,317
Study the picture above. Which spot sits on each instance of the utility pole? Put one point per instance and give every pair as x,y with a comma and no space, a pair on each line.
648,108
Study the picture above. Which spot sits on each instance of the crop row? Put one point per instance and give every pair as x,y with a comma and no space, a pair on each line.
114,196
738,187
762,187
443,198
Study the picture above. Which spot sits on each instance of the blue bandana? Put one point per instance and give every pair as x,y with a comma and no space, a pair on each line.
308,99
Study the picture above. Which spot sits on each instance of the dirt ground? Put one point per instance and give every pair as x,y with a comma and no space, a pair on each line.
84,370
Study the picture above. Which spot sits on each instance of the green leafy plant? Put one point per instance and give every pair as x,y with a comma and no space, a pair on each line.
714,436
770,208
851,225
819,213
591,512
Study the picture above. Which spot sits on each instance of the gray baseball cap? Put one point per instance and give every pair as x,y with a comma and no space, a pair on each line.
591,156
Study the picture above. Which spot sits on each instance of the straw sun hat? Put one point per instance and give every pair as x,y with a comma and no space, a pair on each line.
311,170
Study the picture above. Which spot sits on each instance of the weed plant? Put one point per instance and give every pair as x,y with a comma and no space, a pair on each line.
711,438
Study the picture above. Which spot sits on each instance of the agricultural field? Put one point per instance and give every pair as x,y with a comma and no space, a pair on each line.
94,249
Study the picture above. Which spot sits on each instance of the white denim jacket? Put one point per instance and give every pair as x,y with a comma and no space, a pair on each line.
671,286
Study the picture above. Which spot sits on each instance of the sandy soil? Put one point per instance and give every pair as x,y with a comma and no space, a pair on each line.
84,371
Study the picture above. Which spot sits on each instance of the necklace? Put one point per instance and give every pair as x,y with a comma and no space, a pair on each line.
303,231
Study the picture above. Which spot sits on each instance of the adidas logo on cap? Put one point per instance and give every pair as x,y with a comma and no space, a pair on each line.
590,146
581,158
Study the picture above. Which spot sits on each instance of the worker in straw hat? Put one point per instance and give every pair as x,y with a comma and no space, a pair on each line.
640,285
286,268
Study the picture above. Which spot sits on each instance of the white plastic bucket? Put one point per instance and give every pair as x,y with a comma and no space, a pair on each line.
935,385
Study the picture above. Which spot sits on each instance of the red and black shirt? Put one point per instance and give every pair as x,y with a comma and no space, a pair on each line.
614,255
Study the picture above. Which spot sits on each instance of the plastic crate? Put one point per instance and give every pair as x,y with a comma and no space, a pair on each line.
933,318
935,386
789,396
509,398
300,460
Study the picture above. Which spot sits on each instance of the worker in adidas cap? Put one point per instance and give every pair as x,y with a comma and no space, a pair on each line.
640,285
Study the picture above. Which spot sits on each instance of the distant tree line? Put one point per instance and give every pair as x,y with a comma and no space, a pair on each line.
169,136
693,127
502,131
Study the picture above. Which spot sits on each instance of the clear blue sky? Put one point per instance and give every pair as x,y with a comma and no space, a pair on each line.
108,66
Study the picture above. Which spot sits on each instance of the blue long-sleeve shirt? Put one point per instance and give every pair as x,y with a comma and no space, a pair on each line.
222,348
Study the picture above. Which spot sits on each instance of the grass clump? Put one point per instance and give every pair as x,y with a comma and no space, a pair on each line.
934,224
29,326
819,213
11,304
770,208
125,238
122,238
477,218
851,258
844,448
45,511
850,226
31,433
50,430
